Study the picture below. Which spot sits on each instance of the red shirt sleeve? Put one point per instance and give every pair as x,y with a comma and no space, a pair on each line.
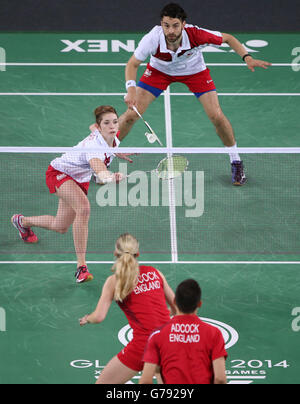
151,354
218,350
200,36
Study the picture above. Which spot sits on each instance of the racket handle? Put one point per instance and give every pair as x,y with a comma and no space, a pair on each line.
136,110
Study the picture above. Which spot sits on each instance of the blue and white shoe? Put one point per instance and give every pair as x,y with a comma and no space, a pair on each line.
238,174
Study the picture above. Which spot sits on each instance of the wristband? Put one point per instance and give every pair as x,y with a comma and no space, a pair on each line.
244,57
104,177
130,83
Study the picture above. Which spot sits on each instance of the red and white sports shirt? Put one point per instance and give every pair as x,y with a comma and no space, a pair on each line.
187,60
76,164
185,350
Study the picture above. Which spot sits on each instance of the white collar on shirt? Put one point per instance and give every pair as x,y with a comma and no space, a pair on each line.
102,141
163,43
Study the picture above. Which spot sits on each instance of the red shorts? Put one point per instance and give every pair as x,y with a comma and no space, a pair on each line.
55,178
132,355
156,82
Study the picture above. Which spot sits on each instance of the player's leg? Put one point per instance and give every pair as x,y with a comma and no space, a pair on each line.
60,223
202,85
211,105
128,119
76,199
116,373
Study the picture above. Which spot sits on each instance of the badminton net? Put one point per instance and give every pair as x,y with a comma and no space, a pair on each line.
197,213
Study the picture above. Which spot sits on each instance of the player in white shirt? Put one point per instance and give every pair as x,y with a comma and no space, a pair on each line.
69,177
175,54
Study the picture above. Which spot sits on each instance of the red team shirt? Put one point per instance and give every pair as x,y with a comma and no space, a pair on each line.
146,310
185,349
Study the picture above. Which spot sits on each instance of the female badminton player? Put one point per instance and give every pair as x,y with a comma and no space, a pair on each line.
142,294
68,177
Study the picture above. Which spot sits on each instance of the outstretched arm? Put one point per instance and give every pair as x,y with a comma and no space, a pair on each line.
235,44
103,174
103,306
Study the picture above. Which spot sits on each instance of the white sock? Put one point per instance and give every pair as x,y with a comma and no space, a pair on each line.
233,154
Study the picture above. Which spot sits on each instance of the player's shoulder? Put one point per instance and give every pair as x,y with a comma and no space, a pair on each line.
93,137
157,30
147,269
155,33
192,28
161,331
209,329
196,30
148,44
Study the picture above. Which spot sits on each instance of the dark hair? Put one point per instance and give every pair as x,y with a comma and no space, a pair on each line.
188,296
104,109
173,10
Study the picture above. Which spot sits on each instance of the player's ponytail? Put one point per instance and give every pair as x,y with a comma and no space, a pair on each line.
126,267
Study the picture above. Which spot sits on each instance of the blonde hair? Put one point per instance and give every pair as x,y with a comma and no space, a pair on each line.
126,267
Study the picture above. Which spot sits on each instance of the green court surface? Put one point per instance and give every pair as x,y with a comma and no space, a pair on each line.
244,248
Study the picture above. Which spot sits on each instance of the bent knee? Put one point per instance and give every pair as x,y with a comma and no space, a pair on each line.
217,117
63,230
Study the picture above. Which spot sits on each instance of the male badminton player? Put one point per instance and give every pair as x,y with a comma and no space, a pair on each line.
142,293
187,350
68,177
176,55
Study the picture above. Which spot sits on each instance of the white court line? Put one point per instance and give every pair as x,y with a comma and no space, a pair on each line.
153,150
245,94
66,64
171,185
246,377
65,94
48,94
159,262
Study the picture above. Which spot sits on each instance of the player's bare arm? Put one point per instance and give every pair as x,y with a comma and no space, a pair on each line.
131,77
106,299
236,45
103,173
219,368
169,294
148,373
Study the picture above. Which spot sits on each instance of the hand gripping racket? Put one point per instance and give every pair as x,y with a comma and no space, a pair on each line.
167,169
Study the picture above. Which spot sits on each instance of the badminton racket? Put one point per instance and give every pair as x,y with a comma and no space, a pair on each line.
167,169
151,136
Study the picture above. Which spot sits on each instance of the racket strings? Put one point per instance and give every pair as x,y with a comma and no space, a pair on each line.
172,167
